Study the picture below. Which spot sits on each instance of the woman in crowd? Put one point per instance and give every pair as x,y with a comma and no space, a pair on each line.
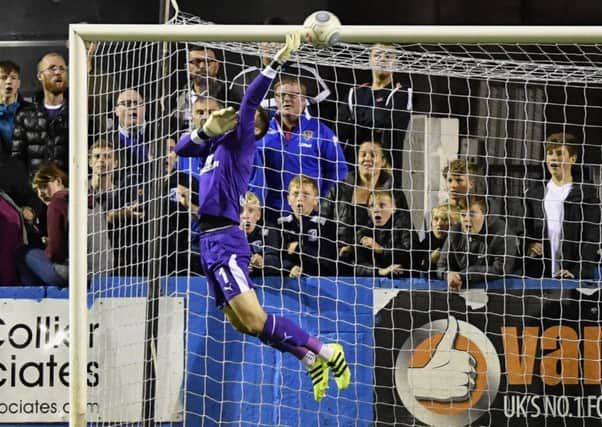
347,202
49,266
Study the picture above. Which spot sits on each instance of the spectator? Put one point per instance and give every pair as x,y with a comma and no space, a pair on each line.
378,111
121,198
117,193
250,218
14,236
131,138
108,187
188,198
201,110
317,89
180,233
102,162
477,250
203,67
41,131
171,165
11,102
295,143
50,266
305,241
384,248
429,253
562,218
14,181
347,201
461,178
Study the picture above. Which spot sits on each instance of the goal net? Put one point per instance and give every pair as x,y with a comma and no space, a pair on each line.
445,233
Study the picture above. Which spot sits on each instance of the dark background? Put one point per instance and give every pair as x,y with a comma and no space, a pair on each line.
49,18
31,27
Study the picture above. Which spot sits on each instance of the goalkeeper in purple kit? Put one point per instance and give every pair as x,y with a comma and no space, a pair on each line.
227,142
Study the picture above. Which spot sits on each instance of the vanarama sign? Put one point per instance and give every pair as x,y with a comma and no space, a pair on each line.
518,360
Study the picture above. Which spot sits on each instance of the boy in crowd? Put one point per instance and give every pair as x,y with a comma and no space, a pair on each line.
250,217
304,239
384,249
442,218
478,249
11,102
562,219
460,177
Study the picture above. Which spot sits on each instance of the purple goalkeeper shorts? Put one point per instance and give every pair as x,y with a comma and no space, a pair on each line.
225,257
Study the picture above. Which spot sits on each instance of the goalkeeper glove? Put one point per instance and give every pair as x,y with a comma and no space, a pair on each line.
220,122
293,41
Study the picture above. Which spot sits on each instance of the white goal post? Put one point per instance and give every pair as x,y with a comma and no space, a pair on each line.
78,102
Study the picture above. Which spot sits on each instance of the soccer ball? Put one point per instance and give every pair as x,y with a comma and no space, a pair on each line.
321,29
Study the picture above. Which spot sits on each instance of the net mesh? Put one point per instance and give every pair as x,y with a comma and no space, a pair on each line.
397,211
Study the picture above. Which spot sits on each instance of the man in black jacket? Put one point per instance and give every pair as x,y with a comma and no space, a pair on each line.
562,218
377,111
203,66
41,131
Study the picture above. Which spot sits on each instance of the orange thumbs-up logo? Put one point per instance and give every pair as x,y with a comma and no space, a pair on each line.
447,373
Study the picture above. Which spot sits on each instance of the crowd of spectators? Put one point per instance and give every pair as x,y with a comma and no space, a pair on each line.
325,196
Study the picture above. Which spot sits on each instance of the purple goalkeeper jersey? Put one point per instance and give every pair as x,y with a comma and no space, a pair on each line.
224,179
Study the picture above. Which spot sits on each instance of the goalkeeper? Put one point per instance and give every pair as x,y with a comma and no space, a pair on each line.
227,142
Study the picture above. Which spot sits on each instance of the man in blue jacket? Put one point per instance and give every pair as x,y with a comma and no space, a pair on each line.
296,143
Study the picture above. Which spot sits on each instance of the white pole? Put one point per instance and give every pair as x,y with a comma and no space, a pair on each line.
349,33
78,210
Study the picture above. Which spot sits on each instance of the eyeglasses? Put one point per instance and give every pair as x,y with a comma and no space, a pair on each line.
289,94
199,61
129,103
54,68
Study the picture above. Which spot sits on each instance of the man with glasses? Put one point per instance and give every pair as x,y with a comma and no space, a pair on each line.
296,143
41,132
130,139
203,67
